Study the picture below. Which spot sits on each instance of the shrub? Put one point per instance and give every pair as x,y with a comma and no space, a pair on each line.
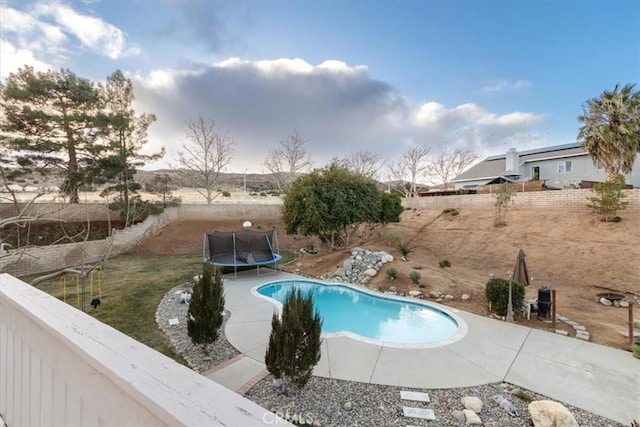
403,248
204,317
294,343
415,277
608,199
454,213
444,263
421,286
523,395
392,272
226,194
504,199
497,293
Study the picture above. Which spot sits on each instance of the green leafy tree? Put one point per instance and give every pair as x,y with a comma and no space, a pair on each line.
390,207
125,133
504,200
611,129
162,186
49,119
204,317
294,343
327,202
609,198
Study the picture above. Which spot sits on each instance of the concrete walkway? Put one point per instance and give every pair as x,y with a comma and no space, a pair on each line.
596,378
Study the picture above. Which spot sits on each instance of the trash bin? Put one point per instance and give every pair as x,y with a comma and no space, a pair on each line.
544,302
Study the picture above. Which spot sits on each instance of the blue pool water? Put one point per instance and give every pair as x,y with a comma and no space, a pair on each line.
344,309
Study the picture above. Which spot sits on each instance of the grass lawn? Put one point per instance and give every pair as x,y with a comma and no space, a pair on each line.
132,287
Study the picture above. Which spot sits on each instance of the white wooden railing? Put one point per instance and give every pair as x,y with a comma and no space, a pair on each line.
60,366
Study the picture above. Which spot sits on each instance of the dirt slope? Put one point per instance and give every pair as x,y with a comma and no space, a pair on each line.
569,252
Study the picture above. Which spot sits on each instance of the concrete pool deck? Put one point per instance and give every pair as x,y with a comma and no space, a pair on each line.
600,379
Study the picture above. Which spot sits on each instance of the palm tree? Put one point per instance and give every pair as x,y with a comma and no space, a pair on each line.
611,131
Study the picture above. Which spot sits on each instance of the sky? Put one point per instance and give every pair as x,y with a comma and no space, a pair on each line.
348,75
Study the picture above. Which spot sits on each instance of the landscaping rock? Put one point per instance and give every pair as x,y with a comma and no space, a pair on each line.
459,416
605,301
448,297
547,413
623,304
471,418
348,405
370,272
434,294
415,294
360,267
472,402
465,297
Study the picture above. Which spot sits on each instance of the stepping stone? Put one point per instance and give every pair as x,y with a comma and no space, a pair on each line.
414,395
173,322
572,323
561,332
424,414
562,318
581,335
579,328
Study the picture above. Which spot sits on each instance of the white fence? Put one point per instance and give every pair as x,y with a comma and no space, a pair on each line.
60,366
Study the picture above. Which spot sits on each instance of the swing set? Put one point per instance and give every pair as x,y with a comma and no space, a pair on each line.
95,276
78,278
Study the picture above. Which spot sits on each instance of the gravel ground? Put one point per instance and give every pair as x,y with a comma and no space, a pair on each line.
199,359
323,400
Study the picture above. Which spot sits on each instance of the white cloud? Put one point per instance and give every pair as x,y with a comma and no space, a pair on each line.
338,108
506,86
14,58
44,32
93,33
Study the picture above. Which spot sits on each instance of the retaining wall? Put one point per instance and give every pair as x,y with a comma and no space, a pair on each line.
566,200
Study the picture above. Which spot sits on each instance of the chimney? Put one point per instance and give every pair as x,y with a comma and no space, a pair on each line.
512,162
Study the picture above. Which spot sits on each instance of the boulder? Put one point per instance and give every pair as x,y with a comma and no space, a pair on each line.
472,402
605,301
459,416
370,272
547,413
472,419
465,297
434,294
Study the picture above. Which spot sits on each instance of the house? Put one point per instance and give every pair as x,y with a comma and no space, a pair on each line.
558,166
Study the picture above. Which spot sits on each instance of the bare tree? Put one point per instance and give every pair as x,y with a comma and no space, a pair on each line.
411,165
207,153
449,164
364,162
289,159
397,179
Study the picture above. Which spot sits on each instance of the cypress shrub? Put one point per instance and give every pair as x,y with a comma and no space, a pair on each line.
294,343
204,317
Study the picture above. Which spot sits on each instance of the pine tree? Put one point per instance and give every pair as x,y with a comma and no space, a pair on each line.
204,317
294,343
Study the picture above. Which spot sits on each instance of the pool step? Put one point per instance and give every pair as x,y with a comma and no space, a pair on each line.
419,413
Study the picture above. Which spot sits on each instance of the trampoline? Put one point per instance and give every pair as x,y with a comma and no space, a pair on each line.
245,248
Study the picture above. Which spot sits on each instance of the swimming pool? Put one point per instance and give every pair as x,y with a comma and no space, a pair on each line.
370,317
